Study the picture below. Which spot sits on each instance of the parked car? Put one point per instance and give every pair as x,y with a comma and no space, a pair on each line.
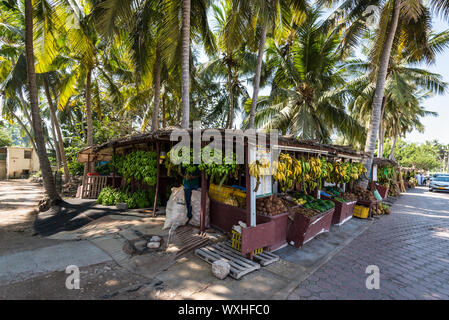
439,183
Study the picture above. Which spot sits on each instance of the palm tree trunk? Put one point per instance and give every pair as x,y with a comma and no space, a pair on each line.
371,138
90,139
27,132
231,98
47,175
185,70
380,149
55,145
164,120
157,90
256,83
392,154
25,109
58,131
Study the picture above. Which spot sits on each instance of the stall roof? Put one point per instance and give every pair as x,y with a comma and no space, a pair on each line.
382,162
104,151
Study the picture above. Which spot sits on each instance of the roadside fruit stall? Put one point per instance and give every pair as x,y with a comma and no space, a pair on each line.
270,199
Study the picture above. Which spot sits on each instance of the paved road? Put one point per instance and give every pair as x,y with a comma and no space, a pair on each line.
410,248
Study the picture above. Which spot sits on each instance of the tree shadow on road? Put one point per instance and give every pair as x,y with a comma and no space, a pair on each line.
69,216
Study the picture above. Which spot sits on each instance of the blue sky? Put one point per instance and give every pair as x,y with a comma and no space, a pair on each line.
436,127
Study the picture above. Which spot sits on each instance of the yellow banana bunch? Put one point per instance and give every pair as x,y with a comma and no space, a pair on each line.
258,168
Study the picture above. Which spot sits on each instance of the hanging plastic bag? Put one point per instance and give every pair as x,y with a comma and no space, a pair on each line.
176,210
196,209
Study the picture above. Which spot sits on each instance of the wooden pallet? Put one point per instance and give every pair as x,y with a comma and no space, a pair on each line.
264,258
240,266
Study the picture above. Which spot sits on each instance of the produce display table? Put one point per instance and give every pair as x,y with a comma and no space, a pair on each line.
280,230
263,235
343,211
302,229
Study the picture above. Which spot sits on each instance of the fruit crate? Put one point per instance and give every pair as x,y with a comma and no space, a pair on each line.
237,242
280,230
361,212
302,229
343,211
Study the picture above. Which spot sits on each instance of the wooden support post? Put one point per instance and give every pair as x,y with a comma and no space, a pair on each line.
248,193
248,187
83,192
156,191
203,202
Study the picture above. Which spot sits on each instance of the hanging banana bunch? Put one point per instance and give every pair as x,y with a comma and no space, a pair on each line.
286,172
259,168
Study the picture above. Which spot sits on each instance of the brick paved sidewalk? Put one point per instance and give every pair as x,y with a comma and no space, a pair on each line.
410,247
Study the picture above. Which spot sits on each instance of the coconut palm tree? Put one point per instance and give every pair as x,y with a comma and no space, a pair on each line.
407,14
47,175
307,97
405,82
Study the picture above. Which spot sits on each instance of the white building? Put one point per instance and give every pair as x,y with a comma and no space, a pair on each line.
17,162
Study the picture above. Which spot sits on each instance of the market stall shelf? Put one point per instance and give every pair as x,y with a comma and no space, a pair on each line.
280,230
343,211
302,229
263,235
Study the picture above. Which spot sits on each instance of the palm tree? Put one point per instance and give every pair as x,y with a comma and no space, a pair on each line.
57,129
394,13
268,15
405,83
47,175
307,97
185,59
233,63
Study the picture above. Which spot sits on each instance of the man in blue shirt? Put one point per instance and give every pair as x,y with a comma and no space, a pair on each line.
191,182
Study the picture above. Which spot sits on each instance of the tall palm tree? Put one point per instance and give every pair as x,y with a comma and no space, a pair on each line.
57,129
185,59
394,13
47,175
307,97
268,15
232,63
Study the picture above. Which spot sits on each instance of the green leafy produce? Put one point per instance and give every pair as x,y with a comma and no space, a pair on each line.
138,165
139,199
312,203
216,173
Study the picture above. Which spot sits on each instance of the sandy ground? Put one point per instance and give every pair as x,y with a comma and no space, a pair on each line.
29,267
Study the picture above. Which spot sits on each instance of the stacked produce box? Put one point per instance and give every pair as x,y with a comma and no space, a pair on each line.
344,204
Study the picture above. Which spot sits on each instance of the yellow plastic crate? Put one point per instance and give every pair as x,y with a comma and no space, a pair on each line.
361,212
224,193
237,242
219,194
